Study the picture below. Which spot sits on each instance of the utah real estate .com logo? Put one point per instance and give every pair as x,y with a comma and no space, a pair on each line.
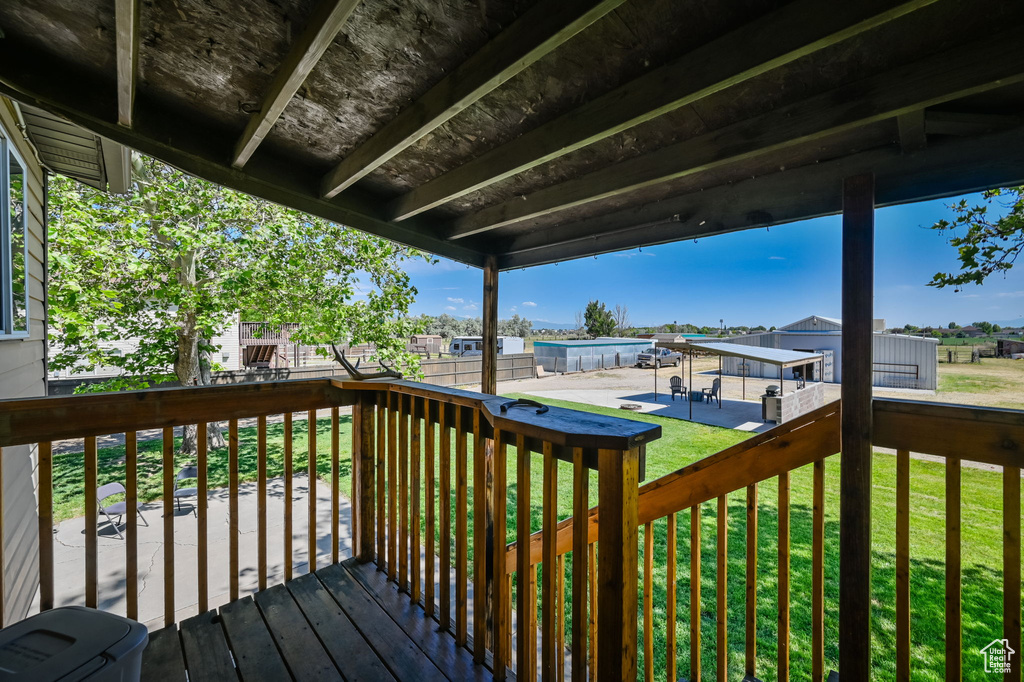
997,656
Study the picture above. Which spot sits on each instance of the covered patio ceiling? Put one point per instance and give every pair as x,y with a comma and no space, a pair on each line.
534,132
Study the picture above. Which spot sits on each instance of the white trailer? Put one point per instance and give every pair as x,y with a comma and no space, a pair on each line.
474,345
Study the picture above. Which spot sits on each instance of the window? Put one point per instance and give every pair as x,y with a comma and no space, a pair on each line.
13,244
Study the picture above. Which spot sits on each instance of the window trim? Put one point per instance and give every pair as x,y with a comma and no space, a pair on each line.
7,331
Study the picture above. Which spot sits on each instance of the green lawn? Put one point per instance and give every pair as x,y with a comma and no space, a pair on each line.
683,443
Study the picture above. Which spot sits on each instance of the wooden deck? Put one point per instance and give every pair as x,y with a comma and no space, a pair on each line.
342,622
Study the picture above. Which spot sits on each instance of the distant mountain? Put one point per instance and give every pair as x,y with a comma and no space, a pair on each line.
1019,322
538,324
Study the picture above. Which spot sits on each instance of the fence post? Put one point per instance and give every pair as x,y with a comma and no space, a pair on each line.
618,485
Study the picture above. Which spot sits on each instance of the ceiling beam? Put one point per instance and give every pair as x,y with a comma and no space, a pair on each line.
324,23
199,146
912,132
973,123
798,29
535,34
126,21
902,93
945,168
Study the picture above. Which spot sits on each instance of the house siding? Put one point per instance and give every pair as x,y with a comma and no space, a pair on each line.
23,375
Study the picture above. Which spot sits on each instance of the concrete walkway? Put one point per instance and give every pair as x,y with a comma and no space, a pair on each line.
69,550
743,415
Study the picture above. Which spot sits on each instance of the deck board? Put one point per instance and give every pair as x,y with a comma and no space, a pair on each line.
207,655
162,660
405,659
339,635
344,622
255,652
302,651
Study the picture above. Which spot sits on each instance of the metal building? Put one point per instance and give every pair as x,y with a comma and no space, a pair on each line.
581,356
898,361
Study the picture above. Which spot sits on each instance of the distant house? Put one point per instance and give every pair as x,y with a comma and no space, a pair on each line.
669,337
971,331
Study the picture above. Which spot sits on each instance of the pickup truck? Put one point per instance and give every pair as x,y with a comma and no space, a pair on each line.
659,357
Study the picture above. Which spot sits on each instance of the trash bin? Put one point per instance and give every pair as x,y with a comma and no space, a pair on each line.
73,643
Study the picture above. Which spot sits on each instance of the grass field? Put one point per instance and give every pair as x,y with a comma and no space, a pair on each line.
681,444
993,382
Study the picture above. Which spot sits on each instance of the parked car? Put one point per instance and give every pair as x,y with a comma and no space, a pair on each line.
659,357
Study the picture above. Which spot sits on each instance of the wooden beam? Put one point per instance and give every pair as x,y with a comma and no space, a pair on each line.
912,131
902,93
535,34
126,19
327,19
855,472
734,58
489,361
946,168
200,146
959,123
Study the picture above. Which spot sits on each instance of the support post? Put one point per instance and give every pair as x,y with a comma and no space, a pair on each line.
364,452
855,478
489,366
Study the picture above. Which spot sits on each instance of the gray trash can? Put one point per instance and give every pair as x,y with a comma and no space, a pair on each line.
72,643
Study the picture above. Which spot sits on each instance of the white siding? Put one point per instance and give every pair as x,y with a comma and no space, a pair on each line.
22,375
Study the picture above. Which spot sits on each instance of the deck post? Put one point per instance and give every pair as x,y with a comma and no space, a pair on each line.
617,569
489,366
364,451
855,478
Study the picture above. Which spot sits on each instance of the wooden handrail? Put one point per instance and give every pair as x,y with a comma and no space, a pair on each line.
788,446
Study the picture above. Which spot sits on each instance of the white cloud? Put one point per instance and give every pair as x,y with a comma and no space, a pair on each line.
512,309
449,307
776,258
1010,294
455,300
443,289
471,306
631,254
529,304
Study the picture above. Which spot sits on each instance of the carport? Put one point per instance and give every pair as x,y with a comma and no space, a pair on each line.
784,359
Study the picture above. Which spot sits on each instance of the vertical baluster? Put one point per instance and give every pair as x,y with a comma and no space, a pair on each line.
902,565
526,608
560,608
508,619
580,505
168,480
818,574
445,511
592,572
1011,567
954,645
428,468
649,600
461,528
549,520
336,482
202,554
45,492
382,475
131,499
90,522
233,507
288,495
261,501
695,557
480,514
722,621
502,626
414,483
393,402
403,492
311,430
364,457
783,662
750,652
670,597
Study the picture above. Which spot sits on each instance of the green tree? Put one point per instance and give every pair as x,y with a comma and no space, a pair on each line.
171,263
598,320
984,326
984,244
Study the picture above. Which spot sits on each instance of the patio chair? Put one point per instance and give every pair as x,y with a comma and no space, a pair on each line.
676,384
117,508
189,472
711,394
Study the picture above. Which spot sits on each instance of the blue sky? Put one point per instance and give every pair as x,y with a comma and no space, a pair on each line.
768,277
